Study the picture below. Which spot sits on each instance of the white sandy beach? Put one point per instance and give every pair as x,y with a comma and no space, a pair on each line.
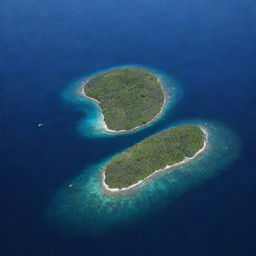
168,167
103,123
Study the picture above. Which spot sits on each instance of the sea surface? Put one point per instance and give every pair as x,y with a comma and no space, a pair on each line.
204,51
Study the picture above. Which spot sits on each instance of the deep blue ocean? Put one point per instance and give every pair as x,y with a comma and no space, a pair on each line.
207,46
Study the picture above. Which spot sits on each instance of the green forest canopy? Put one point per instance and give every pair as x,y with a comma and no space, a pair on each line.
153,153
128,97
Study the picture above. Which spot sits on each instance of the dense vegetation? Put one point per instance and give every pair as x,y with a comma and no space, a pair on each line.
128,97
153,153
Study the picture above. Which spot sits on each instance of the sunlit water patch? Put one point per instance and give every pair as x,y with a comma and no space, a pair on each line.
82,206
91,125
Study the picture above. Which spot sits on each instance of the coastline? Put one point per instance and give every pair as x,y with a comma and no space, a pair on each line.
103,123
166,168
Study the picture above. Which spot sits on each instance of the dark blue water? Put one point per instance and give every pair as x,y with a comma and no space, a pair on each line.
207,46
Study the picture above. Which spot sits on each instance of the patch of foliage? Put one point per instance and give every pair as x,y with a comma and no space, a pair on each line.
128,97
153,153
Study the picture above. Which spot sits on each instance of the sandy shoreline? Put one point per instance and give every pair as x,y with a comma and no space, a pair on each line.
168,167
103,123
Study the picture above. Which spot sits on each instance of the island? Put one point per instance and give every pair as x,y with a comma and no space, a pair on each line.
159,152
130,98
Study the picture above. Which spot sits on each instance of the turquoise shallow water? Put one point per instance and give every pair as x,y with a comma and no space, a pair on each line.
81,206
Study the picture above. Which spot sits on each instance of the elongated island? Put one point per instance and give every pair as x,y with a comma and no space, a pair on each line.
156,153
129,98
